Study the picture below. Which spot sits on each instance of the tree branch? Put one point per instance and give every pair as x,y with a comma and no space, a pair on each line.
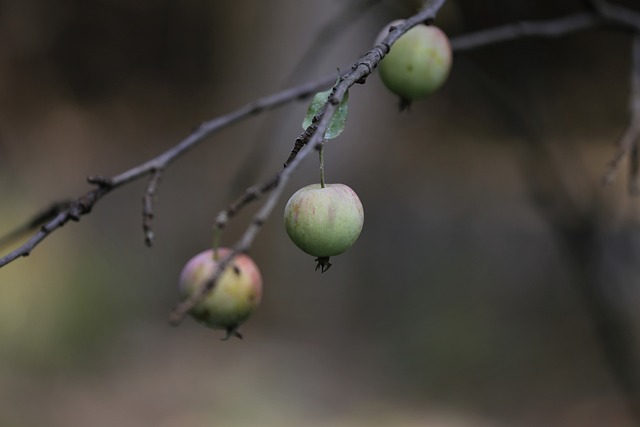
40,218
606,13
617,16
359,71
83,204
548,28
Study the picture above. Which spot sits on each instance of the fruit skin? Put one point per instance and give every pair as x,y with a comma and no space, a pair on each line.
324,222
236,294
418,63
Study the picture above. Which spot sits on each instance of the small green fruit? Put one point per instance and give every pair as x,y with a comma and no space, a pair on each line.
236,294
324,222
418,63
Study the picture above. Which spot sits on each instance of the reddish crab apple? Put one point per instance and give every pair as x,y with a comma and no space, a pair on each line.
236,294
324,222
418,63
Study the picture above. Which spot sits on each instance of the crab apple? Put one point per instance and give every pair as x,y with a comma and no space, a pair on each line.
324,222
236,294
418,63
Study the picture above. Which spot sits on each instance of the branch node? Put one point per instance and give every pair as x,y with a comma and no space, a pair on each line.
81,206
369,68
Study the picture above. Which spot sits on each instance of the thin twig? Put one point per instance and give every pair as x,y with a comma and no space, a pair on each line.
36,221
547,28
617,16
147,206
251,194
302,140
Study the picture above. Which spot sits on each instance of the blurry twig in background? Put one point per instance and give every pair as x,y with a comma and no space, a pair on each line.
548,28
576,230
628,144
619,18
330,32
571,212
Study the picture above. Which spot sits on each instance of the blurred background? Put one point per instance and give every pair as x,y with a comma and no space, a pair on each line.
495,282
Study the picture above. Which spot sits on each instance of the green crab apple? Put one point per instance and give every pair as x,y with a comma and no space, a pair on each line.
324,221
235,296
418,63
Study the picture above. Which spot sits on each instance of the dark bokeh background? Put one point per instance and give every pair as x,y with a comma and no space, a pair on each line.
494,284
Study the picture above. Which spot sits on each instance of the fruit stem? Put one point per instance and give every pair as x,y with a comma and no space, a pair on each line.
321,155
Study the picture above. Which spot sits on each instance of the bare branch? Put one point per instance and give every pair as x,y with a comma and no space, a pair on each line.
302,140
38,220
601,13
72,212
206,129
548,28
83,204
